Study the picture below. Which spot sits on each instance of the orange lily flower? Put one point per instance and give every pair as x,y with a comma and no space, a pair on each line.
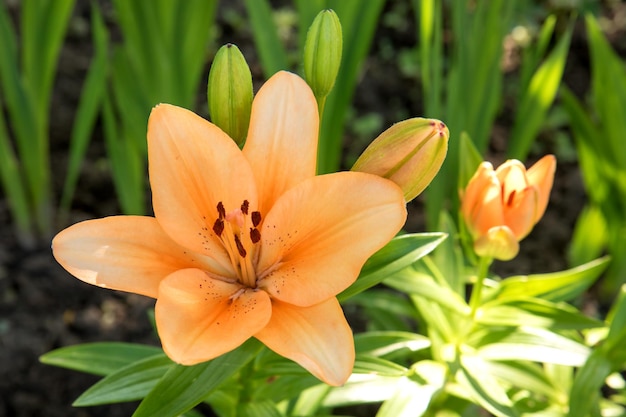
244,243
501,207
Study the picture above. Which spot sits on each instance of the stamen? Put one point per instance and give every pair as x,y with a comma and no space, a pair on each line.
220,210
255,235
218,227
256,218
244,207
240,248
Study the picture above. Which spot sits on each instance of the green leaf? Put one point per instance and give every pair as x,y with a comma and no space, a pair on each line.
469,159
101,358
590,236
183,387
534,312
384,309
411,399
130,383
397,254
265,408
365,364
284,387
525,375
382,343
271,50
483,388
92,93
538,98
412,282
608,82
528,343
362,389
358,25
557,286
587,383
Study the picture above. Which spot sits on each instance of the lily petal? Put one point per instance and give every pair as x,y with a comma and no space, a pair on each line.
520,214
512,176
194,166
486,210
541,175
200,318
319,234
282,139
126,253
317,337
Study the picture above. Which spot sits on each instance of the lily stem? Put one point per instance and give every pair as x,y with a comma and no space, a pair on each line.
483,269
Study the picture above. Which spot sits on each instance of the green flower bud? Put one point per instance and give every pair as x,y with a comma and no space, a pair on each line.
322,53
229,92
409,153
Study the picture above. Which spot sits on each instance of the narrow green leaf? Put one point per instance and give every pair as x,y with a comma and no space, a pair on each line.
411,282
587,383
183,387
271,50
131,383
483,388
617,316
608,82
532,344
101,358
284,387
411,399
11,179
265,408
534,312
365,364
469,160
556,286
88,107
525,375
382,343
400,252
358,25
590,236
363,389
538,98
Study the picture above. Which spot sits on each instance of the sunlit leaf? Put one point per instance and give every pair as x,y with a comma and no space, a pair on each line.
183,387
534,312
532,344
100,358
383,343
483,388
556,286
399,253
130,383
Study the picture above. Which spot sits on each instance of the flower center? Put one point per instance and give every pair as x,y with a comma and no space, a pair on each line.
237,229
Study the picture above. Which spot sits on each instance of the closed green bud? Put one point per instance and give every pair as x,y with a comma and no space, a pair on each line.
229,92
322,53
409,153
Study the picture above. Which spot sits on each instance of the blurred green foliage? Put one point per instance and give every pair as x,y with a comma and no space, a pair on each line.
520,346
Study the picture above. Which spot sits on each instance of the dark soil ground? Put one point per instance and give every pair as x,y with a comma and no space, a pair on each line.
42,307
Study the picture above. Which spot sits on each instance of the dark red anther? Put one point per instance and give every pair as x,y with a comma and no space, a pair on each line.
244,207
240,249
220,210
218,227
256,218
255,235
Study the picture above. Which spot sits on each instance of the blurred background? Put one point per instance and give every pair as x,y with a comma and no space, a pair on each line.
78,79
